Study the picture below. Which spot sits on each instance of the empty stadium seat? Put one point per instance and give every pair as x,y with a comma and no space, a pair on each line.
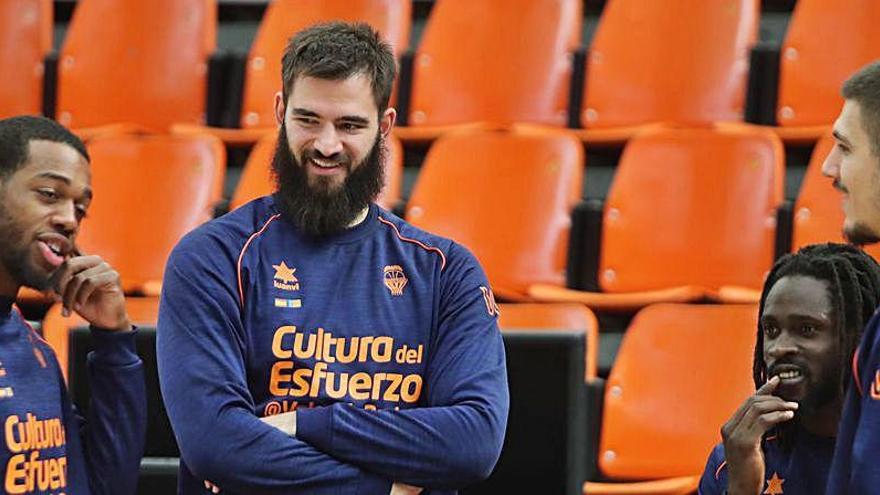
149,192
691,214
135,62
499,61
25,40
506,195
818,216
681,371
561,316
651,62
826,42
256,178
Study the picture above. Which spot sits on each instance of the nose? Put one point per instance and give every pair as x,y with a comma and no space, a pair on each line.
831,165
781,346
64,218
327,142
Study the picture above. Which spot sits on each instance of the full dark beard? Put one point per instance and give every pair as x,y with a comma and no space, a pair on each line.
321,209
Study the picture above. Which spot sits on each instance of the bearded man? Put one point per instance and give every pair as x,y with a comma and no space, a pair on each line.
311,342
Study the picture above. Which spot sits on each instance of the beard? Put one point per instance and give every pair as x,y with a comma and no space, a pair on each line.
319,207
14,256
860,235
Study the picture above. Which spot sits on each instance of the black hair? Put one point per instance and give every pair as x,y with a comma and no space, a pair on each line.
863,87
17,132
853,279
337,51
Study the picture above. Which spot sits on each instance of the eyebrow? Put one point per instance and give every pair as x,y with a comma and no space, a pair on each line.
64,179
840,137
355,119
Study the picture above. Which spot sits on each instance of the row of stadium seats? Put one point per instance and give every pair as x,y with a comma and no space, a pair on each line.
692,214
154,64
648,429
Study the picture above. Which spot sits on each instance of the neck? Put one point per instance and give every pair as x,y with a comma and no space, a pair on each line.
823,422
359,218
8,286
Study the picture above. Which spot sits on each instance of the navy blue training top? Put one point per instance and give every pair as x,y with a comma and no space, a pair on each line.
803,469
382,338
47,448
856,466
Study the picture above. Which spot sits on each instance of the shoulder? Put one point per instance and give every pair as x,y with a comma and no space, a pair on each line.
414,238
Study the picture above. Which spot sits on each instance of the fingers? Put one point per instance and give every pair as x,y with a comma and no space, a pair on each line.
79,278
769,387
211,486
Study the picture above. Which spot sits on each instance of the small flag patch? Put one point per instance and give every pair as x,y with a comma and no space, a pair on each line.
288,303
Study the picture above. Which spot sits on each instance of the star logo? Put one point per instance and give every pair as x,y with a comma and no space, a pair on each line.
285,278
774,485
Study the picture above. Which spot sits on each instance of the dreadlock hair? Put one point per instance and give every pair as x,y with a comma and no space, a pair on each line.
853,279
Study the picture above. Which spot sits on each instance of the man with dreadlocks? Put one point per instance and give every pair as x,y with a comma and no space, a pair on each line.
813,308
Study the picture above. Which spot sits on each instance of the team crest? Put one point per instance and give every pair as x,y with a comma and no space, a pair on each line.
285,278
489,299
395,280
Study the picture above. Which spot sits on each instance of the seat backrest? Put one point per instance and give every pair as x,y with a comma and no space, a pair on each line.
818,216
555,316
507,196
692,207
137,62
826,42
501,61
680,373
25,39
649,62
284,18
256,179
149,192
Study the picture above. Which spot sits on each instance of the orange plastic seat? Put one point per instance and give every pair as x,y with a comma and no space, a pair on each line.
142,311
680,373
650,63
135,62
25,39
256,178
561,316
826,42
818,216
149,192
690,212
507,196
499,61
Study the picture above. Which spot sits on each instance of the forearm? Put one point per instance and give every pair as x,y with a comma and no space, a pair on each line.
114,434
434,447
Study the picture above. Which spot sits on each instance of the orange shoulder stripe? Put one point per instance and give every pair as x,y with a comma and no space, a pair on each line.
416,242
241,256
855,369
720,467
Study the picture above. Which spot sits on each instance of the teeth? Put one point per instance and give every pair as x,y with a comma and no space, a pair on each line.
324,163
789,374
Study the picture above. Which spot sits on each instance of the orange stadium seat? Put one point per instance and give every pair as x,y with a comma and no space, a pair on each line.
25,38
648,62
826,42
517,66
149,192
691,214
256,178
681,371
507,196
142,311
561,316
818,216
137,63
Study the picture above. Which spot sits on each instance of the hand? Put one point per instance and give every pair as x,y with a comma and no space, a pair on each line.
742,437
211,486
285,422
91,287
401,489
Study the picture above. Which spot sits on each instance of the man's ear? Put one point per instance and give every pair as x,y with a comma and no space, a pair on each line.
386,121
280,108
